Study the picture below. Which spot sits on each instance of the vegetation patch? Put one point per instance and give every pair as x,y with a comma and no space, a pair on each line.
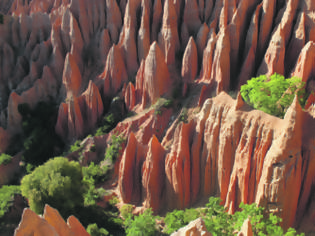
7,194
5,159
273,94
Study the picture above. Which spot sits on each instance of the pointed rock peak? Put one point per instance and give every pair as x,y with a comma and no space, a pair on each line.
246,229
155,51
132,139
190,62
295,111
169,15
154,142
239,101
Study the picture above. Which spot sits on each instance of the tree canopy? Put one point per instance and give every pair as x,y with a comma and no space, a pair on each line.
273,94
58,183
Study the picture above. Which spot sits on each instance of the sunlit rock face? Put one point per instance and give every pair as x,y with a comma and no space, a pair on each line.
51,223
82,54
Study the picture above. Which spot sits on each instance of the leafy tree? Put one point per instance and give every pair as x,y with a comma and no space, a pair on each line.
7,197
5,159
142,225
58,183
93,230
273,95
174,220
112,151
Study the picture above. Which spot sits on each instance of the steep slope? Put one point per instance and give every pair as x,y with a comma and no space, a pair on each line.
82,54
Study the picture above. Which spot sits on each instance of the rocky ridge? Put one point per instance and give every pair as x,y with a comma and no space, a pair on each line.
81,54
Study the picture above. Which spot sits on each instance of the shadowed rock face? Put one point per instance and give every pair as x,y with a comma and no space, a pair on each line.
84,53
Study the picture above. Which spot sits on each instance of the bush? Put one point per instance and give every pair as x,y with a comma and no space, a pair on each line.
7,197
219,222
58,183
5,159
93,230
273,95
142,225
115,146
94,174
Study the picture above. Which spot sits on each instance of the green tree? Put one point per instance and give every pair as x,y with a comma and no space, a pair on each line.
93,230
142,225
273,94
7,197
58,183
5,159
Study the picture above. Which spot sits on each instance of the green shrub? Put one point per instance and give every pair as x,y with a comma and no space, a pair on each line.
219,222
126,210
7,197
142,225
115,146
94,174
93,230
5,159
58,183
273,95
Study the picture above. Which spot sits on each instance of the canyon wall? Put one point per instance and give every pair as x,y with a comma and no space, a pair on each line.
82,54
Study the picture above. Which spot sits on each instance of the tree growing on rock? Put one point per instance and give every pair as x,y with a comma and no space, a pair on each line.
273,94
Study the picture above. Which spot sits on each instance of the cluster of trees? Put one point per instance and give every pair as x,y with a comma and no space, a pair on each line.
273,94
216,219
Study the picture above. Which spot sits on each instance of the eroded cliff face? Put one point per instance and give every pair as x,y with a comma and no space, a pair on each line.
81,54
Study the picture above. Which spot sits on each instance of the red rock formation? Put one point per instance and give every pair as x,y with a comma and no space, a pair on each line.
246,229
156,78
115,74
194,228
127,38
168,38
190,62
59,48
50,224
153,175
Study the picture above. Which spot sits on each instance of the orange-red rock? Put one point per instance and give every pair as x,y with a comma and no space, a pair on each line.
153,175
168,37
115,74
194,228
50,224
190,62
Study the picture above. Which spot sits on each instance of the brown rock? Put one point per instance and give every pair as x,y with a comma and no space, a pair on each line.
153,175
191,16
127,40
194,228
265,28
168,37
76,227
304,67
190,62
178,168
114,74
208,53
113,19
32,224
144,31
130,96
71,77
220,73
53,218
201,40
248,68
246,229
50,224
130,171
94,106
156,19
156,78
